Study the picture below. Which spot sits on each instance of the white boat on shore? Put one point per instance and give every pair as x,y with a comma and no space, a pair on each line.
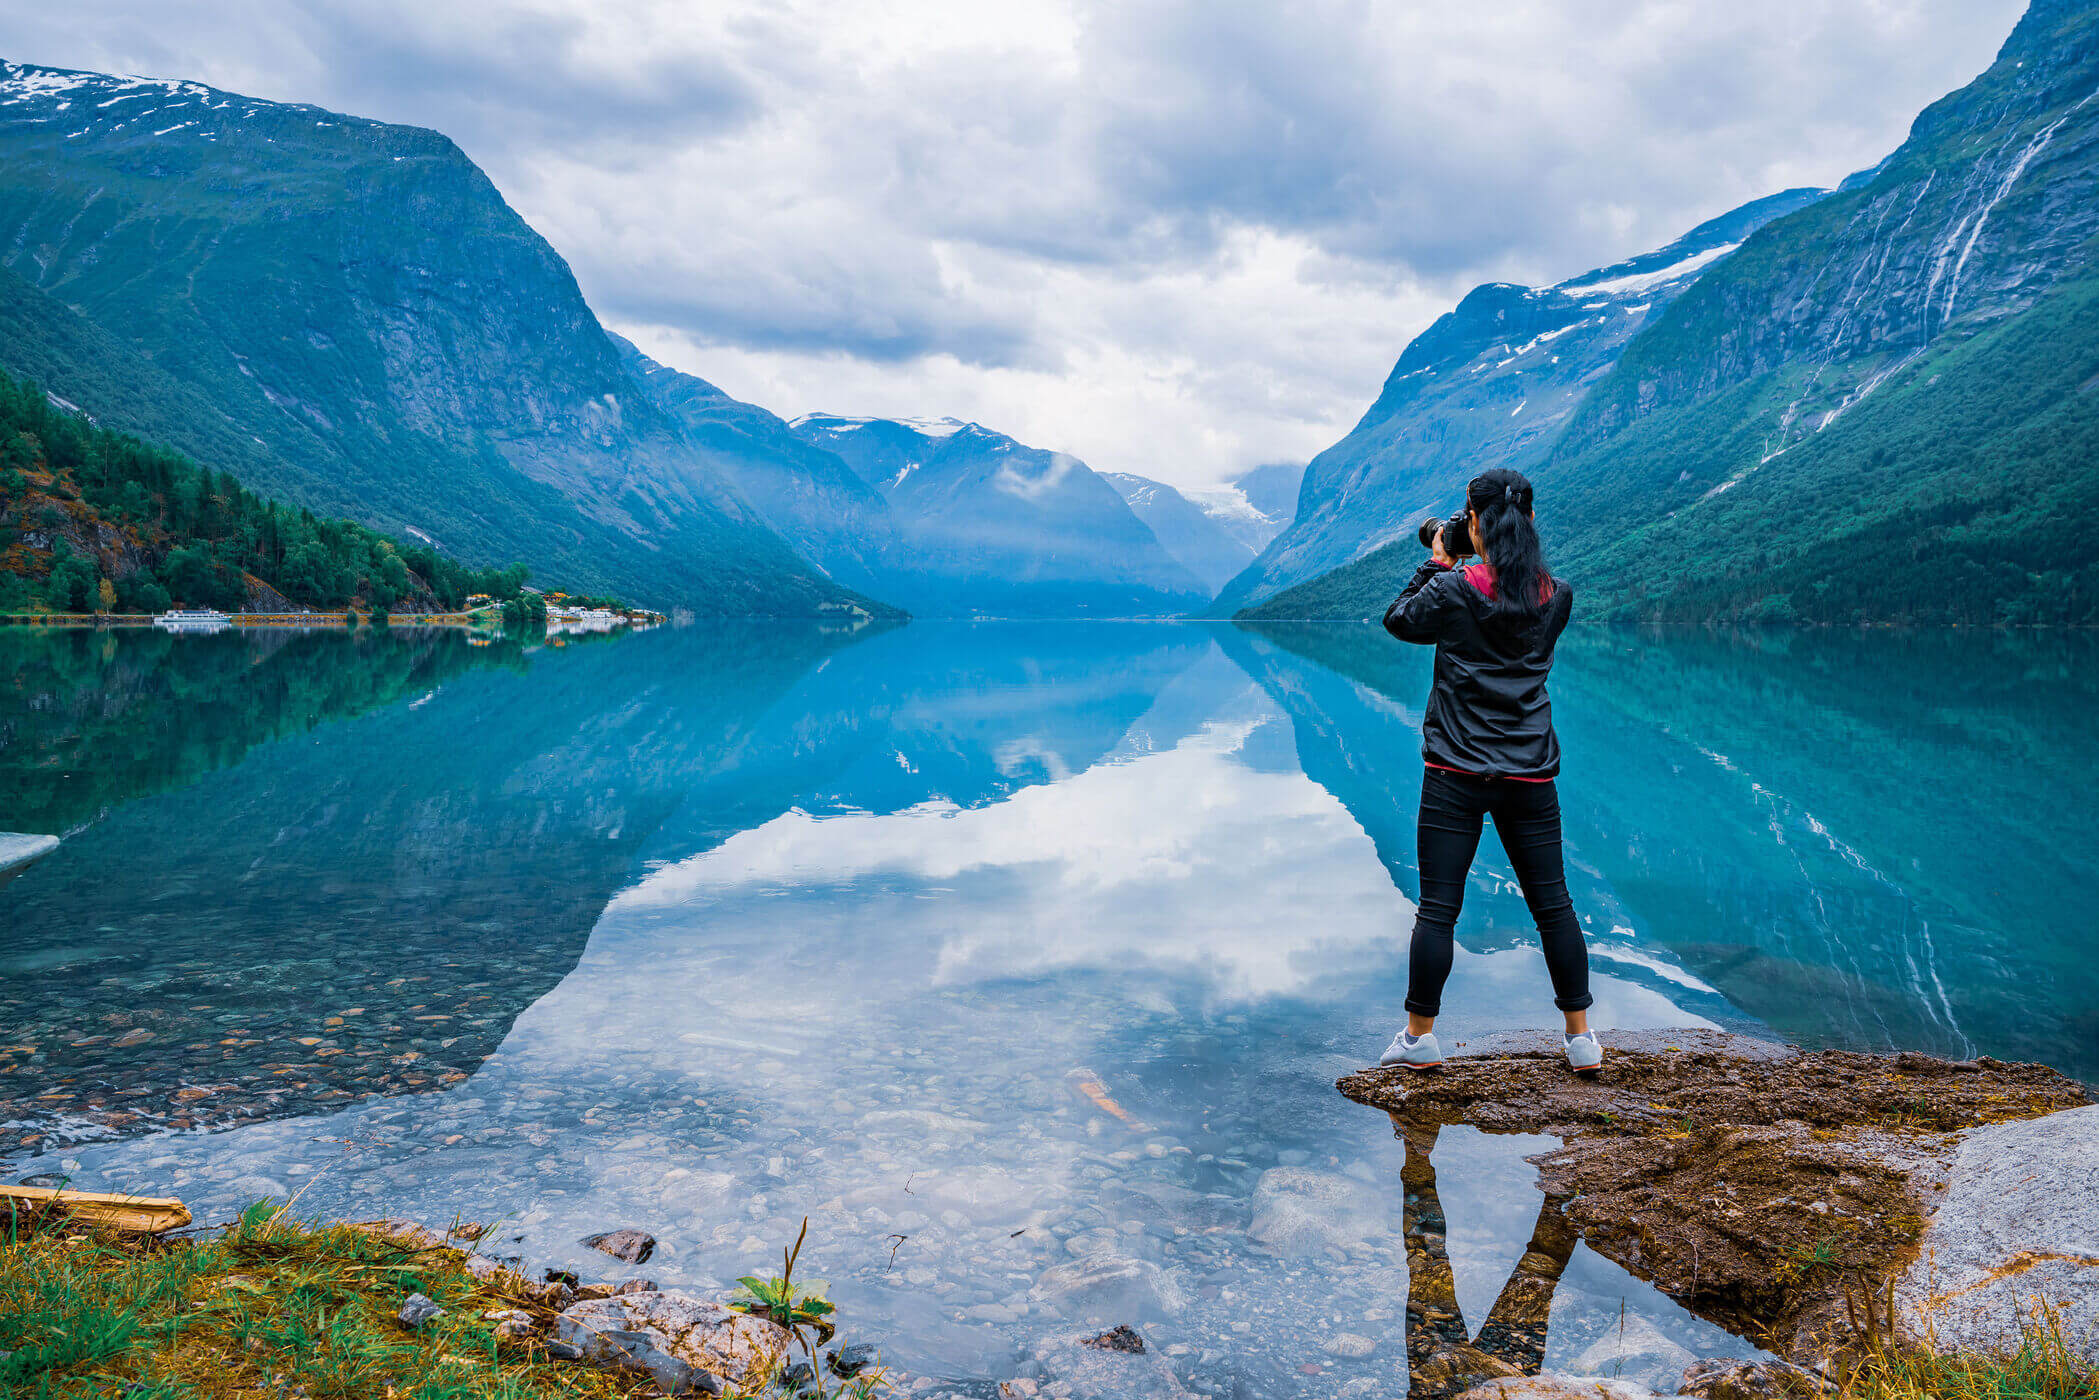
192,620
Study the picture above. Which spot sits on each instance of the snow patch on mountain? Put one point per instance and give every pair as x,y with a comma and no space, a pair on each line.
844,422
1643,281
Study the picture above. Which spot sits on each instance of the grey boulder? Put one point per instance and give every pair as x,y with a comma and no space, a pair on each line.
686,1344
417,1311
2015,1232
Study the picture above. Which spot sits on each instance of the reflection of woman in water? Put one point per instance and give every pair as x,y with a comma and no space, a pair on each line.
1442,1355
1488,743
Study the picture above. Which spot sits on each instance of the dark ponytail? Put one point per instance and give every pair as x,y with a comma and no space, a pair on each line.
1502,500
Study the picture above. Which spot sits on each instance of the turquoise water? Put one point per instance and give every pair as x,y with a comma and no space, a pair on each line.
1020,958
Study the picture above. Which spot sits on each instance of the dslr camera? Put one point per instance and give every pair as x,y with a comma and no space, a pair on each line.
1455,532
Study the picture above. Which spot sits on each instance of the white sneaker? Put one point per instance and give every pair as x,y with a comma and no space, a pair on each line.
1584,1053
1415,1052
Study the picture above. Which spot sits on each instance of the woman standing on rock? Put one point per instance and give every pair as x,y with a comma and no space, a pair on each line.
1489,749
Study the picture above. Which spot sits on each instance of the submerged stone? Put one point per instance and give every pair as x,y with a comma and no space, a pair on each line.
1300,1211
632,1245
1105,1286
1078,1366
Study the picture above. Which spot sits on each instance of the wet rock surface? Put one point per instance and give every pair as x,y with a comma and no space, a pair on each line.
1754,1183
1724,1378
631,1245
1117,1365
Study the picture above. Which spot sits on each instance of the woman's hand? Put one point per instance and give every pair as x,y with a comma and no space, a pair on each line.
1439,556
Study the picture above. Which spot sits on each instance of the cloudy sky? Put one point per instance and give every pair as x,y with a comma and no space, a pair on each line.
1175,237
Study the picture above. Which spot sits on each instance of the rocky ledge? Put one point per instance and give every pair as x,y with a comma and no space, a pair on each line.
1808,1200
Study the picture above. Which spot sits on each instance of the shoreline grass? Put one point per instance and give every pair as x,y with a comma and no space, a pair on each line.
273,1307
285,1309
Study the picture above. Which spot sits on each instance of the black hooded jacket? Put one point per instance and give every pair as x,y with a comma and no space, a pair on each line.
1488,713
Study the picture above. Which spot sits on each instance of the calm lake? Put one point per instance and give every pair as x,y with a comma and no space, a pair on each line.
1021,959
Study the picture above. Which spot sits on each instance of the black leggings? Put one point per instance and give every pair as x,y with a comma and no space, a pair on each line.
1527,818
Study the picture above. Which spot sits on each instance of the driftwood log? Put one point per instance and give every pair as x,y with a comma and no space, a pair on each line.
136,1215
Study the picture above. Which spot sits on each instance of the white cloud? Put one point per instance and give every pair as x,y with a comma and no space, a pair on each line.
1170,237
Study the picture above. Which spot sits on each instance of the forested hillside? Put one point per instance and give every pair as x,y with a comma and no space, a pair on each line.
93,520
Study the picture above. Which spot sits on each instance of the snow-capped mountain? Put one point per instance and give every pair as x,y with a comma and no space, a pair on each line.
1255,506
1187,529
1489,384
992,526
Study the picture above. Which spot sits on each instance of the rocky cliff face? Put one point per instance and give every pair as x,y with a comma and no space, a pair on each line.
1489,384
358,298
995,527
1973,220
1853,415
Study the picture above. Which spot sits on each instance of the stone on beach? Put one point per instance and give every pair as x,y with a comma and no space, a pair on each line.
502,1275
417,1311
677,1338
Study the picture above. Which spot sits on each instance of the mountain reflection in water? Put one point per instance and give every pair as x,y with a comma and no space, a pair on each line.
1021,959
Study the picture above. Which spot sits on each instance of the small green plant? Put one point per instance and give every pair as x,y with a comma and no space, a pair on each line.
1803,1261
791,1305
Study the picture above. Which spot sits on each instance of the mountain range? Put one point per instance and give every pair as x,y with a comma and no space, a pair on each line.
1881,406
1216,533
1879,402
992,526
1489,384
347,316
